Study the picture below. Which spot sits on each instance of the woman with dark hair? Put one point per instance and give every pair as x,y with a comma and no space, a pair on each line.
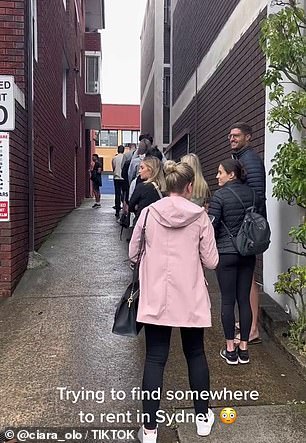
234,271
179,242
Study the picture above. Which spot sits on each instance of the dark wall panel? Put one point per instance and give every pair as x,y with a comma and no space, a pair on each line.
147,46
196,25
147,112
235,92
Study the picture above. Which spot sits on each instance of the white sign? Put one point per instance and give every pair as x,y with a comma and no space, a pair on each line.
4,177
7,103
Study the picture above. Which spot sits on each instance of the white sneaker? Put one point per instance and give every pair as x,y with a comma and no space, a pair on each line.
150,437
204,425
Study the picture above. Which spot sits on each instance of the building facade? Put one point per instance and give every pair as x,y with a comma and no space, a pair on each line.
120,126
155,71
53,50
216,69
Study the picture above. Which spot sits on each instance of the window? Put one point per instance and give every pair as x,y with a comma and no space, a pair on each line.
81,133
77,10
129,137
50,159
34,18
167,13
106,138
64,90
166,91
92,65
76,96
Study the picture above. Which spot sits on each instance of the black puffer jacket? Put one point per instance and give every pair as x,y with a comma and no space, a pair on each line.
225,206
255,174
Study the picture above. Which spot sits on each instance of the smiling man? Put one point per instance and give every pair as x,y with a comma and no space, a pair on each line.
240,136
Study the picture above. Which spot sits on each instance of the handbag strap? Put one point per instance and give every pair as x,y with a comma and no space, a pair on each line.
140,249
157,189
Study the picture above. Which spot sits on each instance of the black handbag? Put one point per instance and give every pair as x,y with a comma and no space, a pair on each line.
126,312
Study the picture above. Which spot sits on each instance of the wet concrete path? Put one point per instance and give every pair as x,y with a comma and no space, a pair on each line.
55,336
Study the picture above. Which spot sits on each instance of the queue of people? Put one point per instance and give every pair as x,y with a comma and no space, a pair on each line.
188,230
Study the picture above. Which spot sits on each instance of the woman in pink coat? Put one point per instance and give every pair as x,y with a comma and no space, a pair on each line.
179,242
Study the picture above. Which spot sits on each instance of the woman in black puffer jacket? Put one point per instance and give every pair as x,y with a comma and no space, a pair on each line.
234,271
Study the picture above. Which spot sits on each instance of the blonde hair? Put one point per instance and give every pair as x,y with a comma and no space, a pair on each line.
178,176
200,188
157,173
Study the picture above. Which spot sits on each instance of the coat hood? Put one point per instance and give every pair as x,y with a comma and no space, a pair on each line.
175,212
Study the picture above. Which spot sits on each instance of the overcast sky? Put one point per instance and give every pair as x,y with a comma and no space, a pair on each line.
121,51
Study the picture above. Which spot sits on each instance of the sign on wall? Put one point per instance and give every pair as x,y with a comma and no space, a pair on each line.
4,177
7,103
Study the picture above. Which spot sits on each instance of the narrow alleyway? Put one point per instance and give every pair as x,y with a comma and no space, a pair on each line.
55,332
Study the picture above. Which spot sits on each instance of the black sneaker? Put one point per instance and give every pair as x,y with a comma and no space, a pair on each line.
231,357
95,205
243,356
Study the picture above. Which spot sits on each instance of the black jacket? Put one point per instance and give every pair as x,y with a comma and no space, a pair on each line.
255,174
143,195
225,206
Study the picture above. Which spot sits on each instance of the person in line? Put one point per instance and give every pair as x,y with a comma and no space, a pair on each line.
126,161
150,188
118,180
95,177
240,137
234,271
200,190
179,242
143,148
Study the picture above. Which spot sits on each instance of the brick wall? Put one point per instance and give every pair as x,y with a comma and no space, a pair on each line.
14,234
59,35
195,25
235,92
54,189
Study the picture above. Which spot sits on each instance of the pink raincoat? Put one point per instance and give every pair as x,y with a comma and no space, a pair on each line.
179,242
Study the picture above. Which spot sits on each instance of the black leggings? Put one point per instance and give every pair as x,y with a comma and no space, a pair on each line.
235,274
157,350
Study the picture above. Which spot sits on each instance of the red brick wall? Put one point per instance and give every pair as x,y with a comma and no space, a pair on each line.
54,190
59,33
14,234
92,41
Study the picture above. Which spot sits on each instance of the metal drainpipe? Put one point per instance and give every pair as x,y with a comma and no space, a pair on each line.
30,137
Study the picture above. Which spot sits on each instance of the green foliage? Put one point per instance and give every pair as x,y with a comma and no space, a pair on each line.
293,283
283,40
289,173
298,234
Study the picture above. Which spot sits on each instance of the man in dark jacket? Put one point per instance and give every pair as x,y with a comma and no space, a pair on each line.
240,136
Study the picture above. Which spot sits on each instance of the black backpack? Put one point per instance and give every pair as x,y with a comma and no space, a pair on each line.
254,234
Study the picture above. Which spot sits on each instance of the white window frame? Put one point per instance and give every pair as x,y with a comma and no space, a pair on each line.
35,29
76,95
77,10
96,54
64,87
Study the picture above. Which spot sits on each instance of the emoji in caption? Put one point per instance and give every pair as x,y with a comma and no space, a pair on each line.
228,416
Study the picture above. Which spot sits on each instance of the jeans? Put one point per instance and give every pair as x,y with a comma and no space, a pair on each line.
157,350
234,273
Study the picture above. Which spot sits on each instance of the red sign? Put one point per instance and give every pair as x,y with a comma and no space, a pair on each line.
4,210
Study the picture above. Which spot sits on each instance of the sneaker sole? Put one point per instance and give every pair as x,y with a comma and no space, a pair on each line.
228,361
243,362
